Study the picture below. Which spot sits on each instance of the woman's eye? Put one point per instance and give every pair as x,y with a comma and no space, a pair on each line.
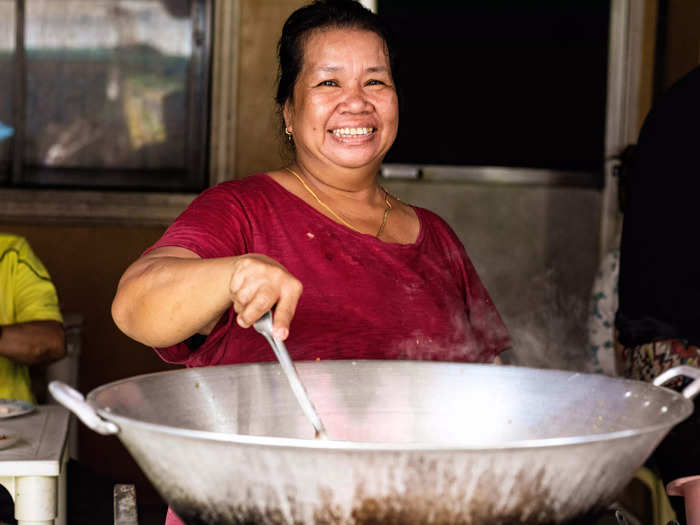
375,82
327,83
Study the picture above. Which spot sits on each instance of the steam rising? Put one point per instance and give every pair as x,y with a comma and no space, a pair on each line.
419,347
549,328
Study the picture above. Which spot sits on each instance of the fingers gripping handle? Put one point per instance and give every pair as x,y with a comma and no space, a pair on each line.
692,389
75,402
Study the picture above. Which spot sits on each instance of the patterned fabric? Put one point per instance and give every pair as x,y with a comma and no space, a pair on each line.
601,317
645,362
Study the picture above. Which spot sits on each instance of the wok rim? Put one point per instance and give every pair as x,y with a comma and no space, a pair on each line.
370,446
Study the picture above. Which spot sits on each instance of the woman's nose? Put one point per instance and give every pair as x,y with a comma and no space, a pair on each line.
355,100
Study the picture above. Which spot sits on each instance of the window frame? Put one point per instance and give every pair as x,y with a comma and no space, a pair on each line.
147,208
36,194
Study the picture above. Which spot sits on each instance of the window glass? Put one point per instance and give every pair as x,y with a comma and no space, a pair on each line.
7,48
501,83
107,83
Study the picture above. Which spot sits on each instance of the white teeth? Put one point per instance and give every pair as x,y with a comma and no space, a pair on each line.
349,132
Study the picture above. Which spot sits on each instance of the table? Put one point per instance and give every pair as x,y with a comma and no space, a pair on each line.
33,469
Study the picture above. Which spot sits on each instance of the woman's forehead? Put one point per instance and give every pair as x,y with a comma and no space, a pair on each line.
330,50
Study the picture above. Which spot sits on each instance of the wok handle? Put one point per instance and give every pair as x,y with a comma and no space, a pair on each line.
692,389
75,402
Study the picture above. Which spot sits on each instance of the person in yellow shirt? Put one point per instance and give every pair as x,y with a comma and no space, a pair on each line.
31,326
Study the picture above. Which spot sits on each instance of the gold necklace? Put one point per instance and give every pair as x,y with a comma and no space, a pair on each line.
387,205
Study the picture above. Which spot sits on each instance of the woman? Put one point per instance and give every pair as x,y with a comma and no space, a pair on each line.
382,279
658,319
351,271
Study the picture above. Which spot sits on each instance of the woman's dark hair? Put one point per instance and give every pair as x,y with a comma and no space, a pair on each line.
322,14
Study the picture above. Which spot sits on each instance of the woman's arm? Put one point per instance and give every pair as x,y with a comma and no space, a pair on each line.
33,342
171,294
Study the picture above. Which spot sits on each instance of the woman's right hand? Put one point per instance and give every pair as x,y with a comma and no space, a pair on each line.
259,283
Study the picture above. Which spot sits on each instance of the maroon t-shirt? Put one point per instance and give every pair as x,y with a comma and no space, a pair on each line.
363,298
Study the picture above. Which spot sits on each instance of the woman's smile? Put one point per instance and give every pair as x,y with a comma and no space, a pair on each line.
345,133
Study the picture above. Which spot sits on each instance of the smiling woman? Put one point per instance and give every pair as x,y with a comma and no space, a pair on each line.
344,109
350,271
343,118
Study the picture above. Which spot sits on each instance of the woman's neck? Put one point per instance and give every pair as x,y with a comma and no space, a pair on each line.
358,186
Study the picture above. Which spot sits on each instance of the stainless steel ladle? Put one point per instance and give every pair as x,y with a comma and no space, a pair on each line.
264,326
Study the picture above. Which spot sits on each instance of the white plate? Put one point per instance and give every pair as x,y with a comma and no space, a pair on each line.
7,438
14,407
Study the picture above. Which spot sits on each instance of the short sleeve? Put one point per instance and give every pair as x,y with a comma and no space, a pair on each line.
601,316
185,354
484,318
215,224
485,321
35,295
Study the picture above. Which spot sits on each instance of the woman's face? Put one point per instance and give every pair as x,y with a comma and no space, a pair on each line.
345,110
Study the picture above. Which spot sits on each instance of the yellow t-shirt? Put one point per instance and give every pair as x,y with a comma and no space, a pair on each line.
26,294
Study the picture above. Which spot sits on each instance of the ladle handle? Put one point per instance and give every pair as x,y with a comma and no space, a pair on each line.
264,326
75,402
692,389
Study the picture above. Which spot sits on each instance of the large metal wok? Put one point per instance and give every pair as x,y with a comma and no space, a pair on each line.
410,442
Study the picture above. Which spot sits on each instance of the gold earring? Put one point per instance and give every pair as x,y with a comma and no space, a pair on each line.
287,131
